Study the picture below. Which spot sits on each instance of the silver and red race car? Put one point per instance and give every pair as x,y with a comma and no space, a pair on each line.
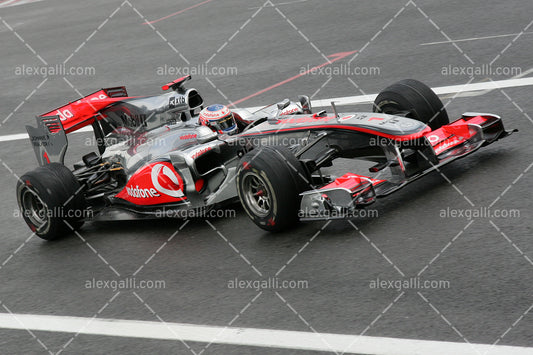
154,158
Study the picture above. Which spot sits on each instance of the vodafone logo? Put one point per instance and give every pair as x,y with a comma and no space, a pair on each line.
447,144
135,191
433,138
153,184
169,178
289,111
188,136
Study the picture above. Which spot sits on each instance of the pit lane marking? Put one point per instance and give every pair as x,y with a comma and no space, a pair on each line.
353,100
268,338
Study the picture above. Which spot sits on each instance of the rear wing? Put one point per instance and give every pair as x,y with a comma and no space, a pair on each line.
49,138
81,113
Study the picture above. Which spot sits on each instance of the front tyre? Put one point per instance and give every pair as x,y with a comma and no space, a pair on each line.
51,201
269,183
413,99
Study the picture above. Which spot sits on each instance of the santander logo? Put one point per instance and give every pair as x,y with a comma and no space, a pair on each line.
164,173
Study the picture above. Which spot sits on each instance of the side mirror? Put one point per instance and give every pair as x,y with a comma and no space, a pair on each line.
281,106
306,104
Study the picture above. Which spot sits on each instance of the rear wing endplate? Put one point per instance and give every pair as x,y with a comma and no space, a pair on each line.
48,139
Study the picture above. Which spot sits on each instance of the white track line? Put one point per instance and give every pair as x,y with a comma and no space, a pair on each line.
10,3
442,90
270,338
352,100
474,38
7,3
19,136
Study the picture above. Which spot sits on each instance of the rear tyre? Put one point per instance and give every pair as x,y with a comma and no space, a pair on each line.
413,99
269,183
51,201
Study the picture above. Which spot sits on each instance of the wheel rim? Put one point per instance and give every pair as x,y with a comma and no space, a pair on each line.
33,208
256,194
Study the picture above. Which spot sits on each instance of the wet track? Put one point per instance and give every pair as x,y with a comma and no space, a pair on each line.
480,265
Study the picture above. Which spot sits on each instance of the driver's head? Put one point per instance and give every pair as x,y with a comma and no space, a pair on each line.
219,118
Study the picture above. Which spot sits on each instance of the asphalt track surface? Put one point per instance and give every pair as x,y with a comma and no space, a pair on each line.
485,262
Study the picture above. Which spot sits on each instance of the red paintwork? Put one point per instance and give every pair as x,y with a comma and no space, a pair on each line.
177,81
45,156
453,134
80,113
199,185
351,182
154,184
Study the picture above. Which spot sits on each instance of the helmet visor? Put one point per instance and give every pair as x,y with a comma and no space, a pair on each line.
224,123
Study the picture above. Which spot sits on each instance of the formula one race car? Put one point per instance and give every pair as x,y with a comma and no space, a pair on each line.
155,159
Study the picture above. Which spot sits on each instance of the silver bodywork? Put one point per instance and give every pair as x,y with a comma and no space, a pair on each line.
141,131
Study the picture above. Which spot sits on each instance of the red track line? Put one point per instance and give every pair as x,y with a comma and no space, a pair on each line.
5,1
177,13
338,56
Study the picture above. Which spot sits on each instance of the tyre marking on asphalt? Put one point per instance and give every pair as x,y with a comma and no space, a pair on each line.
270,338
353,100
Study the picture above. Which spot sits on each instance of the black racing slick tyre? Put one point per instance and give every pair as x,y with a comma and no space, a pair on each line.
51,201
269,182
413,99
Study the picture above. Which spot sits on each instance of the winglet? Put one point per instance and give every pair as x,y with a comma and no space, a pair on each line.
176,84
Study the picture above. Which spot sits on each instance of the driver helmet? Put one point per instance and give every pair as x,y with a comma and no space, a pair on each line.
219,118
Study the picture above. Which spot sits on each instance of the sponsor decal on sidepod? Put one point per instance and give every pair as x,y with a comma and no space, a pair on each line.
154,184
